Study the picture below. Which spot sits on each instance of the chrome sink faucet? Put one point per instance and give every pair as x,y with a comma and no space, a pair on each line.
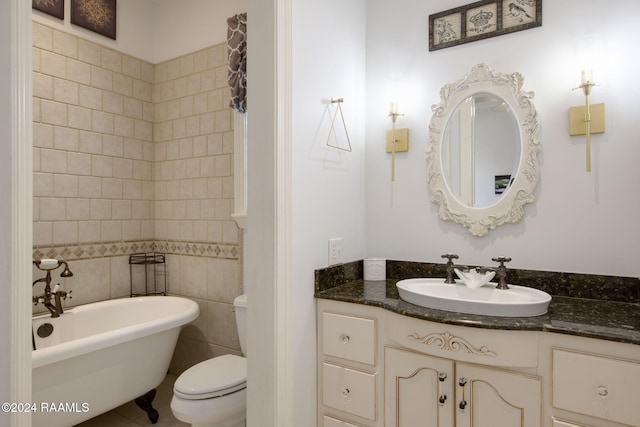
51,294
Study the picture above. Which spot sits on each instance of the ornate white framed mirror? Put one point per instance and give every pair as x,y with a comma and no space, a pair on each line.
483,150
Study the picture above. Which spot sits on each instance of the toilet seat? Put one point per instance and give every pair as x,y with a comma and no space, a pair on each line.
212,378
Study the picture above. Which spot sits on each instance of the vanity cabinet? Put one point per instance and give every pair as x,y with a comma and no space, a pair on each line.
426,390
377,368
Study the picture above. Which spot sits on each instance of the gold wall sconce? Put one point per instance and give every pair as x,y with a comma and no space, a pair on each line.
397,140
588,118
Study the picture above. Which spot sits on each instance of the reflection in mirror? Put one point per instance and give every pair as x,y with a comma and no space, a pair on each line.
480,150
483,150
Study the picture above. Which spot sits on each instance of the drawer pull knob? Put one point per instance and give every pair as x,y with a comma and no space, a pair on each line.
345,393
442,399
462,382
602,391
463,404
345,338
442,376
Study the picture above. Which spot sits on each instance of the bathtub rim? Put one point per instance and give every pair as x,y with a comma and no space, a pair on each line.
49,355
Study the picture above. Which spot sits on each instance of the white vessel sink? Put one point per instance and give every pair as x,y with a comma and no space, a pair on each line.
517,301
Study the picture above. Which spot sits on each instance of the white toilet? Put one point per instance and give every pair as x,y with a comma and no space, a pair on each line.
213,393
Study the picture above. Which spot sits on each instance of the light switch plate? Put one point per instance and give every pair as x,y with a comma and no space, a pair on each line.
335,251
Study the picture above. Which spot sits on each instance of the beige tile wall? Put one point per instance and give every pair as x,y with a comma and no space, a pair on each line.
135,157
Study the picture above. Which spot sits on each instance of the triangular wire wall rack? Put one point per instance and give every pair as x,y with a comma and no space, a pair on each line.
338,101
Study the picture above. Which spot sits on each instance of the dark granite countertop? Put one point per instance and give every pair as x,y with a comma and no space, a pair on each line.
607,319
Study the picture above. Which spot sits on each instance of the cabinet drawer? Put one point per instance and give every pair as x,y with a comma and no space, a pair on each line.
476,345
334,422
598,386
348,337
349,390
560,423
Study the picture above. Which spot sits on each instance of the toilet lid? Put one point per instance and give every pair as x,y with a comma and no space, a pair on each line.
212,378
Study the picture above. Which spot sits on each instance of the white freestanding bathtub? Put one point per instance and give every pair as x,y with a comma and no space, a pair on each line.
102,355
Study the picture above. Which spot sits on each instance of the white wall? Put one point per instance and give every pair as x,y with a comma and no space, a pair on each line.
188,25
134,30
328,184
580,222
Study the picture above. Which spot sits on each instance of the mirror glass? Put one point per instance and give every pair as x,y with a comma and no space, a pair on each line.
481,150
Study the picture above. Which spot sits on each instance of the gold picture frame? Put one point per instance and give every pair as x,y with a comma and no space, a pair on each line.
482,20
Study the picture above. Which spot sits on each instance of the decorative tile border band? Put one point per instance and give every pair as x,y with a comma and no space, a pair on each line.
112,249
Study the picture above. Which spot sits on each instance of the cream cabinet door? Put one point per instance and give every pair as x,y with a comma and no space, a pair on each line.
487,397
418,390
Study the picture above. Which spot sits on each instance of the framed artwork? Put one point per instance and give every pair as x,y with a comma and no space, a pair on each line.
502,182
96,15
50,7
481,20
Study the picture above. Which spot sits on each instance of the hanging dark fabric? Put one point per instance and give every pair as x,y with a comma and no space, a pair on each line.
237,52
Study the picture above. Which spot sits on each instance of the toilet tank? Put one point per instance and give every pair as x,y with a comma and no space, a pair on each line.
240,307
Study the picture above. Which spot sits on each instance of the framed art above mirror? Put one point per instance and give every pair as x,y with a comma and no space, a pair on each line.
483,150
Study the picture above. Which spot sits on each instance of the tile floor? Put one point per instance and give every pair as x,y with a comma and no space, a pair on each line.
129,415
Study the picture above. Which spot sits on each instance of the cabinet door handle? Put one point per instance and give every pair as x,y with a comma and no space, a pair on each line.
463,402
442,376
345,338
345,393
